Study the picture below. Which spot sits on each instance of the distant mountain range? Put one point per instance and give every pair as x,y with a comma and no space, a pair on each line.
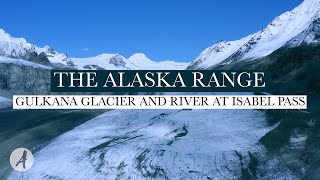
19,48
291,29
288,48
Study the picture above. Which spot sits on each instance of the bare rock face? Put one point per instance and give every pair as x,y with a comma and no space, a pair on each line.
118,61
24,80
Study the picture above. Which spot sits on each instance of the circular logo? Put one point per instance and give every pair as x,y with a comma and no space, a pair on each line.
21,159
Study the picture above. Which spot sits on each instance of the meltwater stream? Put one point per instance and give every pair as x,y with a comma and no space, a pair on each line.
164,144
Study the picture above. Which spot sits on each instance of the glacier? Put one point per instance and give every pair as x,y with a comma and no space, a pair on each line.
163,144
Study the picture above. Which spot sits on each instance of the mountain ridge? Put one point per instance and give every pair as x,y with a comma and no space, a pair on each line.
290,29
20,48
258,45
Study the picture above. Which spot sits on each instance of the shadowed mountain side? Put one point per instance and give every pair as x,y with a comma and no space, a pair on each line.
293,71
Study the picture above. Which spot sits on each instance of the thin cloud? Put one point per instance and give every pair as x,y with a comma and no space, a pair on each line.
85,49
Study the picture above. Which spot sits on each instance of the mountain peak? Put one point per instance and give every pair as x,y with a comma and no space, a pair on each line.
104,56
6,37
20,48
14,47
3,34
138,56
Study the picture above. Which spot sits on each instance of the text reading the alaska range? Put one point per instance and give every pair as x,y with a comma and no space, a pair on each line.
157,81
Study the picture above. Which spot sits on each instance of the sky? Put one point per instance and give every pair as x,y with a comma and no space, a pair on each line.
162,29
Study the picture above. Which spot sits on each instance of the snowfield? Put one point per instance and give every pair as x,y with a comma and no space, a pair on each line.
140,144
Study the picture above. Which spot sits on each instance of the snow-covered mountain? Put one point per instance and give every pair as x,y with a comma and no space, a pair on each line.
103,61
14,47
310,36
116,61
301,25
21,49
277,34
141,61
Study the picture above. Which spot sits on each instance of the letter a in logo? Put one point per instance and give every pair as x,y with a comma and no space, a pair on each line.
21,159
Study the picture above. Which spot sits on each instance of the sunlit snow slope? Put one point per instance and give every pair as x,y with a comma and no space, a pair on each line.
277,33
